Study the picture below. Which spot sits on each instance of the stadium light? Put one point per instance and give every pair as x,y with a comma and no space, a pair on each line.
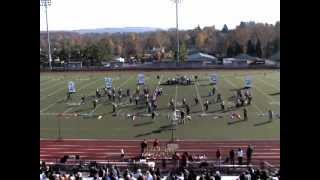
47,3
177,27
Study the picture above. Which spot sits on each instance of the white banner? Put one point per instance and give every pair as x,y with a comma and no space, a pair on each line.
213,79
108,82
248,82
140,78
71,87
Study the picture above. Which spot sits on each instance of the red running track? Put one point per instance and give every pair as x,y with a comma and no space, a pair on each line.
103,150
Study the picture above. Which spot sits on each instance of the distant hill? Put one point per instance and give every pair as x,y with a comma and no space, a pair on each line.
118,30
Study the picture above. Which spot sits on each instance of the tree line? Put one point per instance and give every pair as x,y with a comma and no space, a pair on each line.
255,39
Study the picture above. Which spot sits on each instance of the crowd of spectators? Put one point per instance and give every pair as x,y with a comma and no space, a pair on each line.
182,173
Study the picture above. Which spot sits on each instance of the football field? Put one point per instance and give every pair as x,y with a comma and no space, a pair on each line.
79,122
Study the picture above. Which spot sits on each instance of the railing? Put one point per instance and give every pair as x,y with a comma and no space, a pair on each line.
163,66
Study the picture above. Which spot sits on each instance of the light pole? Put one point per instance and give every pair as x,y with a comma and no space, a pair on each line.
47,3
177,27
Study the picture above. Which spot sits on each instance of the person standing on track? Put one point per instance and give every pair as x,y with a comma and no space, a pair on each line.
218,156
156,145
144,145
249,154
231,156
240,156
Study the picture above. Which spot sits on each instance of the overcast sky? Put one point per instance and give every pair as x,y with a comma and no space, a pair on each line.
87,14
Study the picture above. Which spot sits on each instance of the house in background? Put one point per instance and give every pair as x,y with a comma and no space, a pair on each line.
202,58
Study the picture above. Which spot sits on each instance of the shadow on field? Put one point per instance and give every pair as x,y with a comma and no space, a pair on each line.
236,122
275,94
143,124
204,84
262,123
157,131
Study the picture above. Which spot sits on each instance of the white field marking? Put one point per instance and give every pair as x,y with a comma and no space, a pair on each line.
269,84
271,99
275,102
58,90
45,81
50,87
175,97
50,105
199,96
234,86
67,110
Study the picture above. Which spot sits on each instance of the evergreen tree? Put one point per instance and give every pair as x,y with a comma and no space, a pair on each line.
225,29
230,51
251,49
258,49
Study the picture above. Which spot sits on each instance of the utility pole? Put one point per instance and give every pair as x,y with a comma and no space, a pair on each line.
47,3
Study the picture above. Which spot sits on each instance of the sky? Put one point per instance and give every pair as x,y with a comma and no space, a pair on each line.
91,14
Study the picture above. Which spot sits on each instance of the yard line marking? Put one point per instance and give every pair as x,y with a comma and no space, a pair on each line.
49,87
175,97
199,96
269,84
271,99
69,109
50,105
58,90
234,86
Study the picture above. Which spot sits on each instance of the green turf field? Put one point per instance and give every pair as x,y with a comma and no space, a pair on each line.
53,88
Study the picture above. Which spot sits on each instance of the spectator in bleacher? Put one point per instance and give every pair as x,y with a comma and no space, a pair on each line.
137,174
247,175
231,156
240,156
217,176
264,175
249,154
242,176
148,176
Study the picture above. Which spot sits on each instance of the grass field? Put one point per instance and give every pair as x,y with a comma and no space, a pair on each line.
53,88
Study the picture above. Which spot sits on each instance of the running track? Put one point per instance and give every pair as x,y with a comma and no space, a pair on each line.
103,150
